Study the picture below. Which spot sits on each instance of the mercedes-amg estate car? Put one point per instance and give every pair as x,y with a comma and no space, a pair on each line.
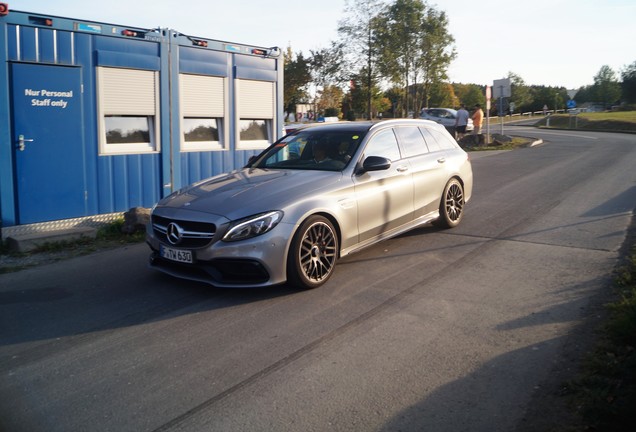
316,195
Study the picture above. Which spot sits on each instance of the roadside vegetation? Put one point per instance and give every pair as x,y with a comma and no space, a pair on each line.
604,395
619,121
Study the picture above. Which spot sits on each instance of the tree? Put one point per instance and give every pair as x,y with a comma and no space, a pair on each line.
398,36
327,65
606,88
414,43
628,86
330,99
469,95
360,95
358,41
520,94
297,77
437,52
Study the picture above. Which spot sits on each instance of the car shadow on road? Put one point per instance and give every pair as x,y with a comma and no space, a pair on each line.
85,295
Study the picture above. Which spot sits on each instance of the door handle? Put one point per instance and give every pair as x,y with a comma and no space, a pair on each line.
21,141
441,160
402,169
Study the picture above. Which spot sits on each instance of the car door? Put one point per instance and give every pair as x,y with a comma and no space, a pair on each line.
427,169
385,198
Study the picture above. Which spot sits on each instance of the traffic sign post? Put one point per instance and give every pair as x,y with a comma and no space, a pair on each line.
502,89
488,96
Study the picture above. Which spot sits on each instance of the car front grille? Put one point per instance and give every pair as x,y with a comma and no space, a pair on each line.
190,234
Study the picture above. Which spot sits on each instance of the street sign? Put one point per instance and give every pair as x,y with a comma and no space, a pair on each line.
501,88
571,104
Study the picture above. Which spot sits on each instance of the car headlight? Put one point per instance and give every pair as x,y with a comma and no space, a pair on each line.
253,226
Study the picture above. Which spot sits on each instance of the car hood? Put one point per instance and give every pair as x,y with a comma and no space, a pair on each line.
250,191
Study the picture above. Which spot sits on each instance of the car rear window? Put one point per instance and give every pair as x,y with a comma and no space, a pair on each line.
412,141
438,140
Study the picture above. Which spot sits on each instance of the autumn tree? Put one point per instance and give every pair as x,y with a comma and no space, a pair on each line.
330,100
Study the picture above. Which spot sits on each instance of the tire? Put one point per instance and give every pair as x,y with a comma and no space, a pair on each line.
313,253
451,206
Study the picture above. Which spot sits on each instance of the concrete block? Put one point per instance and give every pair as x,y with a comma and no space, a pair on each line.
31,241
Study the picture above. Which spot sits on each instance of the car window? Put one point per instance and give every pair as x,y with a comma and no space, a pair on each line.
431,142
412,141
383,144
445,141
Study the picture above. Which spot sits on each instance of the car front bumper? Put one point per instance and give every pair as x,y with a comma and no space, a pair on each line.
256,262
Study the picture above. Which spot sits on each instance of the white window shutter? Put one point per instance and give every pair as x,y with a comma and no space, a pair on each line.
128,91
256,99
202,96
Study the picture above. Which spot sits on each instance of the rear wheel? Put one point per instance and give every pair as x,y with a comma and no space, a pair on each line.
313,253
451,206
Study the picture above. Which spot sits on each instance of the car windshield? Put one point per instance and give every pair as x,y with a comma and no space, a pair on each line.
312,149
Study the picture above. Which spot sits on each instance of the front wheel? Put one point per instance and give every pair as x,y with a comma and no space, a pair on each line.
451,206
313,253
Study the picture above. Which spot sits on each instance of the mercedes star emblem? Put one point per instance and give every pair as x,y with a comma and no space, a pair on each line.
174,233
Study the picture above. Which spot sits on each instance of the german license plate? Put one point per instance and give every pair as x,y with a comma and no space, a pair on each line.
178,255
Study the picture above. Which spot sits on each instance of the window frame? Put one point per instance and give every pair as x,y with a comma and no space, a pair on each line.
199,108
249,94
116,98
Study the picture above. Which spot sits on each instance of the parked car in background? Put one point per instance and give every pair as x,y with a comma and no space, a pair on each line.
444,116
314,196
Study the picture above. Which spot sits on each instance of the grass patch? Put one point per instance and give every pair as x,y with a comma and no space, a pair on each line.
605,394
511,145
620,121
110,235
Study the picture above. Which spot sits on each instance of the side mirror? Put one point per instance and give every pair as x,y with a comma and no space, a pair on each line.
375,163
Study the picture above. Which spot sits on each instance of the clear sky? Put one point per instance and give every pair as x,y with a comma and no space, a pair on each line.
546,42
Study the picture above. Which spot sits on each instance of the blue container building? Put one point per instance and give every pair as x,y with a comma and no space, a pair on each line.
98,118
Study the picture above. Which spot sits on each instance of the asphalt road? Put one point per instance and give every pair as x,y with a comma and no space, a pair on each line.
431,331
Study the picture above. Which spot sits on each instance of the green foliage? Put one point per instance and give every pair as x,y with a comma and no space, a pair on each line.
330,99
614,121
297,78
415,46
552,97
520,92
605,394
359,45
628,86
441,94
606,89
469,95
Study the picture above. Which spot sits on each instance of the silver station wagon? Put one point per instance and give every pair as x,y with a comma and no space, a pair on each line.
316,195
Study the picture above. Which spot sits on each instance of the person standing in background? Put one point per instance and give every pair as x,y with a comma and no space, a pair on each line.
460,122
478,119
